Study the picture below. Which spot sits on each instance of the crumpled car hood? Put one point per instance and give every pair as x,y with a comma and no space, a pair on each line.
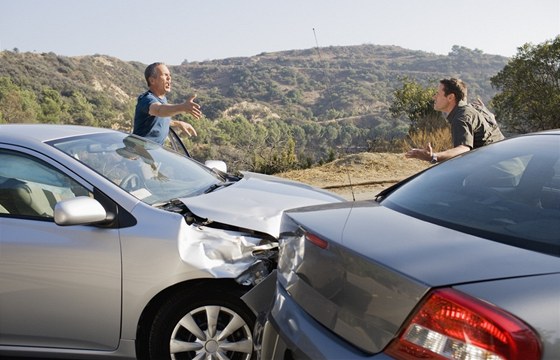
257,202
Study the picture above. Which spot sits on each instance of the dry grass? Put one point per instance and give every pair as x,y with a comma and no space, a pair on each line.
359,169
440,139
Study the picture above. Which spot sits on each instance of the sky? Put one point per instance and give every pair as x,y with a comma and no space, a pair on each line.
174,31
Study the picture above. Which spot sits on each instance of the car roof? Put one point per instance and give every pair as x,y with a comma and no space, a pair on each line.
44,132
553,132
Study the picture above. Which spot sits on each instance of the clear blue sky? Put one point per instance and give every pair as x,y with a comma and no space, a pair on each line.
175,30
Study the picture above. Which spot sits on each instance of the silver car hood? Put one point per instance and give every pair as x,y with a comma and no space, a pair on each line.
257,202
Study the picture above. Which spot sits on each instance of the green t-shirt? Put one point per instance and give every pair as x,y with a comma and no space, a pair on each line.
469,127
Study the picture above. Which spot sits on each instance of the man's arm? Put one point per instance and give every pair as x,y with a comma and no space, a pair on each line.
184,127
168,110
450,153
427,153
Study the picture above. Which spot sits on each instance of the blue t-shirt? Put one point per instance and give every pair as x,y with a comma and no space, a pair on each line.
151,127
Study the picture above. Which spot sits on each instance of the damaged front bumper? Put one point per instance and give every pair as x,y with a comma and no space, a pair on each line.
226,253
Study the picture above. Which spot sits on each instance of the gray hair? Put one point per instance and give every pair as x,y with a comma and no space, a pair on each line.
151,71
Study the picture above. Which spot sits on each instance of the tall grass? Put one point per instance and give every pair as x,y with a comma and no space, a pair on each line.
439,138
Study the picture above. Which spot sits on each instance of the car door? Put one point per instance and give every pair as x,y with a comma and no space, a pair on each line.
59,286
173,142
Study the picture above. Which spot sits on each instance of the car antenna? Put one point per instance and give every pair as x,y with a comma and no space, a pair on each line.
331,101
325,75
351,187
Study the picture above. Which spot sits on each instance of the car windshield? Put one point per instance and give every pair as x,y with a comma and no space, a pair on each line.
508,192
146,170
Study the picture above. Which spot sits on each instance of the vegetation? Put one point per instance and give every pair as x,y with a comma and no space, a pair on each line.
529,99
414,101
271,112
530,88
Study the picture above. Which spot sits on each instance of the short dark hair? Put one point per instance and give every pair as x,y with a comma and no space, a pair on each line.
151,71
456,87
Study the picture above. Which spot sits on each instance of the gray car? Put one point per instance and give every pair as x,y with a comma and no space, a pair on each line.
458,262
112,246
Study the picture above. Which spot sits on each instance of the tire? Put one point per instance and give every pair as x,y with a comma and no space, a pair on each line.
211,325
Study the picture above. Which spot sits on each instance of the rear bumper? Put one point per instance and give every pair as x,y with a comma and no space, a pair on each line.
287,332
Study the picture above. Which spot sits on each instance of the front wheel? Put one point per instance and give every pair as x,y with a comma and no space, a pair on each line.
210,326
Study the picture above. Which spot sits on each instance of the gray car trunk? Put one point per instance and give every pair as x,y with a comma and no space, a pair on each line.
379,264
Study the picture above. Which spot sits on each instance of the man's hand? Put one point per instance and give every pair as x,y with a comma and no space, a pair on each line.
184,127
422,154
190,107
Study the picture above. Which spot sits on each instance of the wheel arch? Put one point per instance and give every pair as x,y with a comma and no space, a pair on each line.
190,286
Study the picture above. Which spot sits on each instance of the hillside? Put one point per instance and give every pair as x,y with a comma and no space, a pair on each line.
313,84
344,81
271,112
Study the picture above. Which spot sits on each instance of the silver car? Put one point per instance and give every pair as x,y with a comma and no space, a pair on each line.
113,247
458,262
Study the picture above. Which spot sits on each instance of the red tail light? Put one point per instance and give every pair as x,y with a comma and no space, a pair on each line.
452,325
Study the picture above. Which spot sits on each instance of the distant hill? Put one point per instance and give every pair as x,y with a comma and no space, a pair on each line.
331,87
344,80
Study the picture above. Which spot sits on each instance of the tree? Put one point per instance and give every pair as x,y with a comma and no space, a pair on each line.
17,105
81,110
530,89
416,103
52,106
278,153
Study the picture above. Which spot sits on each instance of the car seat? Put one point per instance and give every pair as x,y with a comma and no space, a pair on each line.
25,198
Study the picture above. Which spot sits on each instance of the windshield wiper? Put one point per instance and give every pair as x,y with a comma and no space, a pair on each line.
174,205
217,186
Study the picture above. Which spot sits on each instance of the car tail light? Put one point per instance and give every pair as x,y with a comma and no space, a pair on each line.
314,239
452,325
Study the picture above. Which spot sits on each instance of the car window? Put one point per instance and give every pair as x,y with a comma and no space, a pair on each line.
551,189
173,142
507,192
143,168
30,187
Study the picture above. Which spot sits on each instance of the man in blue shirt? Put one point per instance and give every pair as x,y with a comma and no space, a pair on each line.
152,118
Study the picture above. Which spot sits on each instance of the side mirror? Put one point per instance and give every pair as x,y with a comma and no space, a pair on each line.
81,210
216,164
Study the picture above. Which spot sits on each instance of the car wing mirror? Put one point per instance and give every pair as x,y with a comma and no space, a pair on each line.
81,210
216,164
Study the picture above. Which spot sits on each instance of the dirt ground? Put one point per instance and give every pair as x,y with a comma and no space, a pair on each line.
359,176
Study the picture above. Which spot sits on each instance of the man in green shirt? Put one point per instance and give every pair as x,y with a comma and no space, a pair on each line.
472,125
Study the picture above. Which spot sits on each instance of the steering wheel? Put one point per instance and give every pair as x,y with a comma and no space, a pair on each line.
131,182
